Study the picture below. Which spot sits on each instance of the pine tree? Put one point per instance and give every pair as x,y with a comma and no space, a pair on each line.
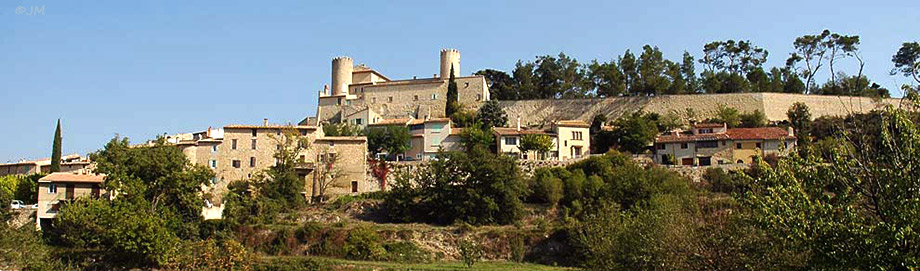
56,149
453,98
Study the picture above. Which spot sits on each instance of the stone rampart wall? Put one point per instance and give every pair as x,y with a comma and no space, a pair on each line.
774,105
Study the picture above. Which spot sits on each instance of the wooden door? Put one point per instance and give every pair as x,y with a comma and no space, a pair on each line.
70,190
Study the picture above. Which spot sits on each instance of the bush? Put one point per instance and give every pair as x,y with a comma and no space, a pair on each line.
518,250
363,243
470,252
292,264
545,188
406,252
211,255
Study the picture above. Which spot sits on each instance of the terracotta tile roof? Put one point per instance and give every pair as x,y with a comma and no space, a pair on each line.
764,133
438,120
72,178
391,122
758,133
514,131
708,125
573,123
270,126
342,138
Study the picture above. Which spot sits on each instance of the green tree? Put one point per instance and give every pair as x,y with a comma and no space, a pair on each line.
391,139
688,72
907,61
634,132
56,149
753,119
809,49
477,136
525,81
342,129
860,198
653,70
545,188
501,85
541,144
492,115
463,118
453,96
476,187
728,115
630,67
157,177
606,79
800,118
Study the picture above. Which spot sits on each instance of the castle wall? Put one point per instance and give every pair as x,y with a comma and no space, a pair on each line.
774,106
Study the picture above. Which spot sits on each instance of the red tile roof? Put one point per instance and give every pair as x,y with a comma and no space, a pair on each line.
61,177
391,122
708,125
573,123
764,133
515,131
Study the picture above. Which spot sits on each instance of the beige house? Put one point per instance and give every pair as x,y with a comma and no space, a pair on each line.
707,144
428,137
241,152
60,188
74,163
361,95
571,139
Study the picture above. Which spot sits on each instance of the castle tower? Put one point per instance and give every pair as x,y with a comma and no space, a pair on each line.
342,68
450,57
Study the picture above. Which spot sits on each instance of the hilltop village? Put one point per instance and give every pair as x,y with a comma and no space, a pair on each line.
363,99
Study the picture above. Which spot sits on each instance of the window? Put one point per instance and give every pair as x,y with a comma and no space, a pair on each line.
354,186
435,140
706,130
374,100
348,102
236,163
416,97
213,148
390,99
278,132
576,135
660,146
707,144
577,151
253,144
511,141
684,145
359,121
303,132
213,163
252,162
479,97
233,144
737,145
434,96
254,132
52,189
466,85
758,145
339,101
418,156
303,158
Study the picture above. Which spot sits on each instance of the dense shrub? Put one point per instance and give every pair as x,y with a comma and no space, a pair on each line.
544,188
406,252
363,243
291,264
477,187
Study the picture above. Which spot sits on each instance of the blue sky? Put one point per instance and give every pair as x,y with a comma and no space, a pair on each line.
142,68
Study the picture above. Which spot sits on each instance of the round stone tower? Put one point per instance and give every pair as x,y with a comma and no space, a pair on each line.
342,68
450,57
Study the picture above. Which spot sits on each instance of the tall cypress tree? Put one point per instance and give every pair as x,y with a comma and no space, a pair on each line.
453,97
56,149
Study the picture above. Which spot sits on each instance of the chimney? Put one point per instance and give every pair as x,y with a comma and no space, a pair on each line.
325,89
209,131
518,126
265,122
790,131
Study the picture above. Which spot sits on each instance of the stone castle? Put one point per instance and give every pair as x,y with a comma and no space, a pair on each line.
361,95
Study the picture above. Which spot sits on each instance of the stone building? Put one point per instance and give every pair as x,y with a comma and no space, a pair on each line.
714,143
74,163
240,152
361,95
59,188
